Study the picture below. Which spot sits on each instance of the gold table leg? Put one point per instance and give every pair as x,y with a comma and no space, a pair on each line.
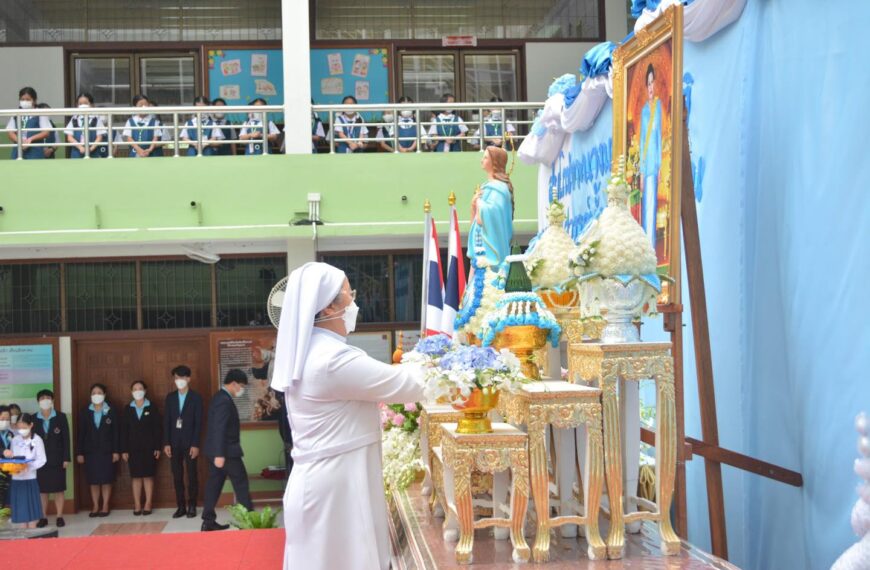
597,550
464,512
519,504
613,463
666,460
540,489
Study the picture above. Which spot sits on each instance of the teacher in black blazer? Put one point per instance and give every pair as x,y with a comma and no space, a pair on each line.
182,425
141,437
224,448
52,426
98,448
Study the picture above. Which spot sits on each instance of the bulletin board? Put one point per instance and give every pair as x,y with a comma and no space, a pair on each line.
241,75
363,72
26,367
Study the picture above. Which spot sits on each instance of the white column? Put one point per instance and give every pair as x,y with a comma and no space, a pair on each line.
297,76
299,252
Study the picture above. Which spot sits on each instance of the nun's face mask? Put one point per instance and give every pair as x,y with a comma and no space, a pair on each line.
348,313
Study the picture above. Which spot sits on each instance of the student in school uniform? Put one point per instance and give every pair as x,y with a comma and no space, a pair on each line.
35,129
164,133
209,133
97,132
228,132
252,130
493,134
24,491
142,131
53,139
317,131
52,426
407,129
6,435
141,436
448,126
14,414
349,132
182,426
98,448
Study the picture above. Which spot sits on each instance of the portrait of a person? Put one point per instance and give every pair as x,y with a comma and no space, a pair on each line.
650,155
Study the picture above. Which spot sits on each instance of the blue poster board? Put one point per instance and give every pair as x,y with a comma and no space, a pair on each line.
362,72
242,75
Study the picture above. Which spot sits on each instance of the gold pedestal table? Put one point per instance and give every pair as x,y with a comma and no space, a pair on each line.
563,406
611,365
502,451
431,418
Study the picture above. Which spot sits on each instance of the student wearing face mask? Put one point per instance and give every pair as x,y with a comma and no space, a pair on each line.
24,491
224,449
494,129
75,131
407,130
228,132
142,131
209,134
98,448
332,392
446,129
182,425
52,426
6,435
350,133
35,129
252,130
141,436
14,414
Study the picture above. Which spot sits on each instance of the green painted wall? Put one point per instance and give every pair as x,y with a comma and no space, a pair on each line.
128,200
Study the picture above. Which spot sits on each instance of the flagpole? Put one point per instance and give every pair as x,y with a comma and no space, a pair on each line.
427,228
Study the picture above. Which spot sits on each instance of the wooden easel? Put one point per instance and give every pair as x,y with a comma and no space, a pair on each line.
714,455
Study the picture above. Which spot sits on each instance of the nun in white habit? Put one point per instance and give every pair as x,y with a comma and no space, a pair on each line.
335,514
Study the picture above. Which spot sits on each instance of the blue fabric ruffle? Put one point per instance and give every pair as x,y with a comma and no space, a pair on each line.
637,6
561,84
597,60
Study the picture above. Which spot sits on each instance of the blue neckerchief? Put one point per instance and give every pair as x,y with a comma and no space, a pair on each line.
46,422
98,416
145,404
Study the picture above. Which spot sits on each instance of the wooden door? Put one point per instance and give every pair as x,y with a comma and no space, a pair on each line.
117,364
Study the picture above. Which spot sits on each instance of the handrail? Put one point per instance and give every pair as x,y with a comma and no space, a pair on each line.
522,115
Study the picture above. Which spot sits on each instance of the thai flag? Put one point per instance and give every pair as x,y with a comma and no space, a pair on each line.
435,290
455,277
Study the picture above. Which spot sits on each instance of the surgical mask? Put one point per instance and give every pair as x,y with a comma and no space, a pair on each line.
138,394
496,115
407,114
97,399
388,117
219,116
241,392
84,106
348,316
180,384
4,425
24,432
24,104
255,116
45,404
13,419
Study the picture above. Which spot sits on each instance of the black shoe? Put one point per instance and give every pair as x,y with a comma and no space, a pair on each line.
146,513
104,514
213,525
94,514
137,513
42,523
60,522
191,512
180,512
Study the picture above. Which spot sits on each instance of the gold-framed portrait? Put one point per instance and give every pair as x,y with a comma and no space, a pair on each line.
648,131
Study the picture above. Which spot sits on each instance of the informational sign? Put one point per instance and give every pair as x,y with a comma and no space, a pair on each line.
459,41
25,370
252,352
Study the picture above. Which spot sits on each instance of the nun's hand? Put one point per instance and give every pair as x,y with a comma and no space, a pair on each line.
126,456
80,459
115,458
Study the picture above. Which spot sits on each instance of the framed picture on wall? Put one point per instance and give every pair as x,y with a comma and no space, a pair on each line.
252,352
648,131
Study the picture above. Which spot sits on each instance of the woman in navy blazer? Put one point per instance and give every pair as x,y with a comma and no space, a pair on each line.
51,425
98,448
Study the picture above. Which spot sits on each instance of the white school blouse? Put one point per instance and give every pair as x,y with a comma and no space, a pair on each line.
30,448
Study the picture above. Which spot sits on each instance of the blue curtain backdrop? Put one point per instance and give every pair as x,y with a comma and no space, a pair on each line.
779,119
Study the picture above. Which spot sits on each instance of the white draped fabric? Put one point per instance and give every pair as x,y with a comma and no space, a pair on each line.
335,514
543,148
701,18
582,114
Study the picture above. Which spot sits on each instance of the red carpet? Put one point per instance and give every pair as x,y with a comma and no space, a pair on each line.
248,549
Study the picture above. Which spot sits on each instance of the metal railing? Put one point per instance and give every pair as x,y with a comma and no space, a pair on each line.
514,116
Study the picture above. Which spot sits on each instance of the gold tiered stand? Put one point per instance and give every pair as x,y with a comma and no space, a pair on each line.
607,364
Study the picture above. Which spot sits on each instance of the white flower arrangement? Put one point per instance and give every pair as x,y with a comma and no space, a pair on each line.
468,367
402,459
547,260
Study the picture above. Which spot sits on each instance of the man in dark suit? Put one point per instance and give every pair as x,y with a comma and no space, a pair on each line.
223,446
182,425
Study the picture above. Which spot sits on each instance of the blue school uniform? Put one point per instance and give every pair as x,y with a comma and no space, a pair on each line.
144,136
255,126
407,128
346,126
102,151
448,127
229,133
30,128
190,132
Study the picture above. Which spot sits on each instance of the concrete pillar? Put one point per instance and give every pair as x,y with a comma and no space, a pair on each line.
297,76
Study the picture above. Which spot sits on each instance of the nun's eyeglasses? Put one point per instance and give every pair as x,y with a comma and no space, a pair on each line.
353,294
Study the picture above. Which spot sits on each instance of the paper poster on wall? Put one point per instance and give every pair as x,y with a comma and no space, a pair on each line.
335,65
361,90
265,87
230,91
231,67
332,86
360,65
259,65
252,353
25,370
376,345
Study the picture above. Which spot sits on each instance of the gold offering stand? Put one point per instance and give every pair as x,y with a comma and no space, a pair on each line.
609,364
497,452
565,406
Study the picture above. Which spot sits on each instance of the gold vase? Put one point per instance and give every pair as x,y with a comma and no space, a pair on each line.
523,341
475,411
560,302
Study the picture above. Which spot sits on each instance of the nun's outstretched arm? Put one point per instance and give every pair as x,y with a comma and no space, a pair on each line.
356,376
